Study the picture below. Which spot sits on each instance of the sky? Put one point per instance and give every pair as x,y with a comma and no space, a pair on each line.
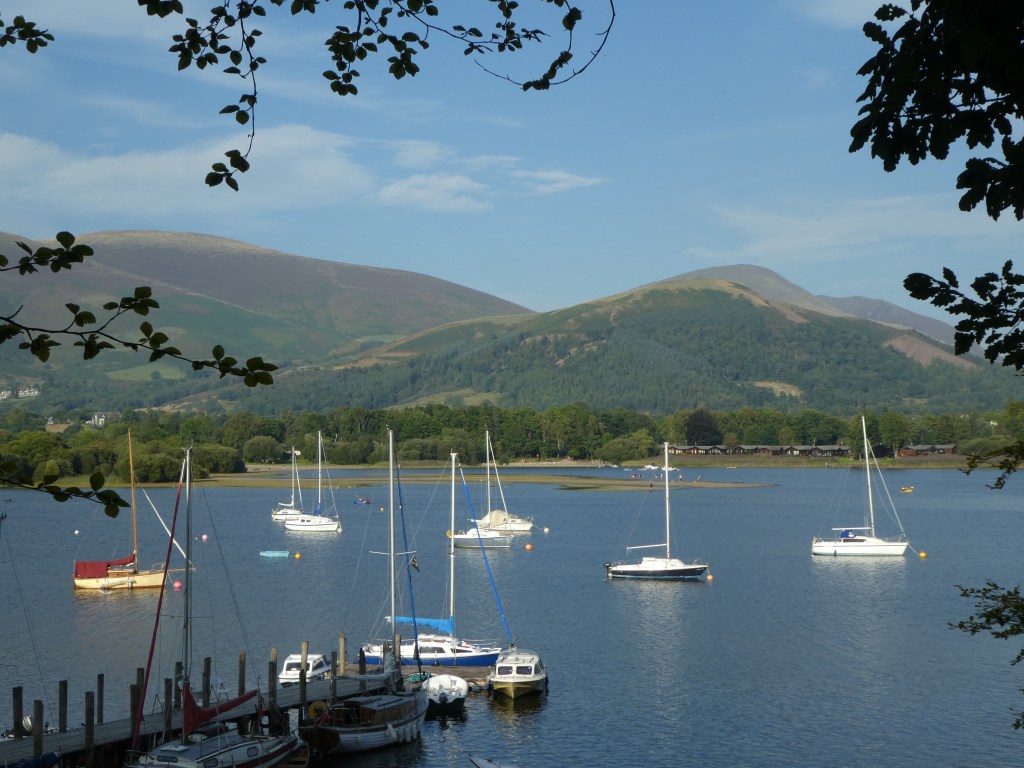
705,134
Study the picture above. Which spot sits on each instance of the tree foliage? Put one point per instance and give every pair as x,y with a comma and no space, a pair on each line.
1000,612
948,72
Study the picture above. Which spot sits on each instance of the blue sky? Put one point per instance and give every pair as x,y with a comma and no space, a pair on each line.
706,134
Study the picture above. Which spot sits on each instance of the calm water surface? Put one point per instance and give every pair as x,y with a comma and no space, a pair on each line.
782,659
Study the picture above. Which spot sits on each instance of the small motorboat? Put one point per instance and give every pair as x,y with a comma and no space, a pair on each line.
318,667
907,489
446,694
518,672
361,500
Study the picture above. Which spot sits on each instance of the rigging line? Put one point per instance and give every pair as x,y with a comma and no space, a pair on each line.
163,524
136,725
487,564
408,570
28,622
232,594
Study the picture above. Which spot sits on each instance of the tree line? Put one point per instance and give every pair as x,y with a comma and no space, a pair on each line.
353,436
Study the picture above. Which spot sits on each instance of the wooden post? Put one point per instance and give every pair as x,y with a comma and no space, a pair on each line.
134,699
179,675
62,706
207,671
241,673
99,698
272,677
16,708
168,709
337,669
90,726
38,725
302,678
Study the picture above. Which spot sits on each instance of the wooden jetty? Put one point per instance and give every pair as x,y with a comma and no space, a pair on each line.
99,744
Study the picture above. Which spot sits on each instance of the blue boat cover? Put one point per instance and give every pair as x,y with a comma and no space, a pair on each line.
441,625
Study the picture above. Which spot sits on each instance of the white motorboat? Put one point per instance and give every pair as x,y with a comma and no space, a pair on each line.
863,540
665,568
518,672
446,694
318,667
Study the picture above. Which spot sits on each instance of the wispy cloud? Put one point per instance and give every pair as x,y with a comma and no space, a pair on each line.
437,192
552,182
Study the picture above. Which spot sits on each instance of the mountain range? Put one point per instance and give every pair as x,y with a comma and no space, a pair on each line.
346,334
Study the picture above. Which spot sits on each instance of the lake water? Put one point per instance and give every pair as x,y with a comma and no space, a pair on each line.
782,659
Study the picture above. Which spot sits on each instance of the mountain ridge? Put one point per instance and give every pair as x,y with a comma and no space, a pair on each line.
347,334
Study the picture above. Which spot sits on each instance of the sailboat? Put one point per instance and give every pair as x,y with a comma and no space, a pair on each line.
442,648
665,568
287,510
499,520
205,742
123,573
363,723
863,540
317,521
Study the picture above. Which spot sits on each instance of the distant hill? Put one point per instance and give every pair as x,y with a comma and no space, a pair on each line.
774,288
256,301
347,335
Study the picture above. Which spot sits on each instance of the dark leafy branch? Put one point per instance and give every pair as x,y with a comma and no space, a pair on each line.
1000,612
994,321
397,29
93,336
111,500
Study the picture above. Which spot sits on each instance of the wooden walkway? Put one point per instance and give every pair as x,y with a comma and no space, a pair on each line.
118,732
115,732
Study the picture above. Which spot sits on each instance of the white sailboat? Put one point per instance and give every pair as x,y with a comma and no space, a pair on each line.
317,521
203,742
363,723
288,510
499,520
863,540
442,648
666,568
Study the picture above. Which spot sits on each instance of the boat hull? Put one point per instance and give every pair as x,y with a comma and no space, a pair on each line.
133,580
366,723
518,673
861,546
228,750
315,524
446,694
658,568
439,651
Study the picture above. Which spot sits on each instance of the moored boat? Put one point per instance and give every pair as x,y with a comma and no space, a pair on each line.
318,667
446,694
518,672
863,541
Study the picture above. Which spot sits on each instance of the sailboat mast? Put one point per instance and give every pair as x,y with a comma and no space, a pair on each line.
867,472
135,530
186,632
451,548
295,477
319,471
487,462
668,516
391,522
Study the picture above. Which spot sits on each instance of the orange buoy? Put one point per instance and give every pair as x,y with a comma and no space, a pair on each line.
529,547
